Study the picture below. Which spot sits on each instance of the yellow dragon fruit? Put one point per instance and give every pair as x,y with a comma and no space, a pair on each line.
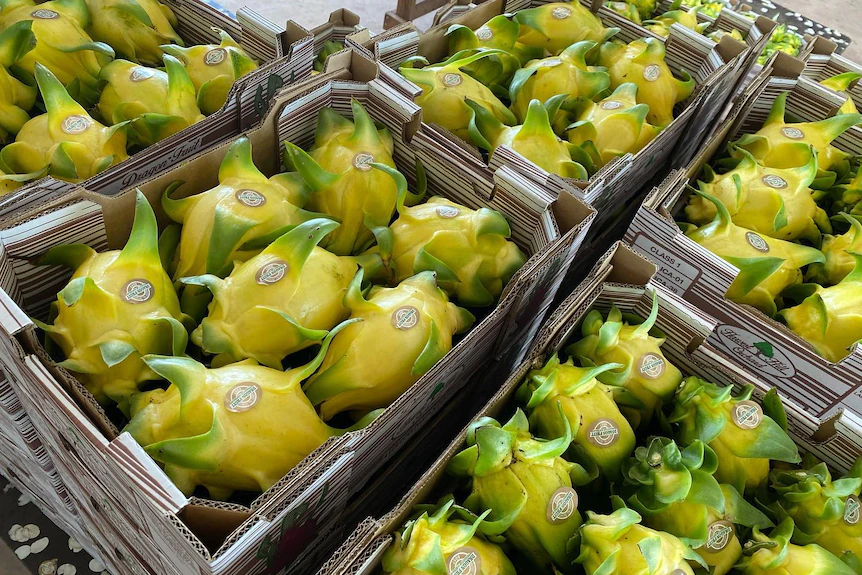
498,33
767,266
830,318
646,8
446,87
534,139
330,47
225,428
686,18
433,544
776,555
213,69
16,97
613,127
62,45
717,35
292,292
841,84
10,182
134,28
744,438
617,544
597,425
776,202
526,485
626,10
674,491
642,62
558,25
65,140
411,326
645,379
118,307
468,249
837,250
160,103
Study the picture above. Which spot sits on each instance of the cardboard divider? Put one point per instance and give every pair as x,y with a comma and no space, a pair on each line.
825,390
117,486
621,278
822,63
341,24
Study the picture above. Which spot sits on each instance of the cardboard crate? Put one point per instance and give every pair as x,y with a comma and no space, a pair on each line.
131,492
341,24
823,389
620,278
822,62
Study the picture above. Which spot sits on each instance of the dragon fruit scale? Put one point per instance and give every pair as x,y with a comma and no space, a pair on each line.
558,25
498,33
841,84
837,250
134,28
675,15
16,97
118,307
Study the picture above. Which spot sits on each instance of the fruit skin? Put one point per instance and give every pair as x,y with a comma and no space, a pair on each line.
62,45
517,477
329,47
445,87
498,33
830,319
469,250
687,18
674,491
16,97
427,542
556,26
781,40
584,402
837,250
10,182
638,391
767,266
642,62
268,319
848,197
612,127
617,544
717,35
841,84
350,379
66,139
159,103
205,433
775,555
213,69
646,8
625,9
101,329
134,28
705,412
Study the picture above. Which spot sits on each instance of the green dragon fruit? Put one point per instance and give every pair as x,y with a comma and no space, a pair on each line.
62,45
830,318
292,291
674,491
534,139
743,437
775,555
118,307
767,266
433,544
613,127
526,485
556,26
617,544
159,103
330,47
711,9
469,250
566,73
837,250
847,197
199,430
134,28
646,378
841,84
410,325
597,425
446,87
498,33
16,97
642,62
625,9
213,69
65,140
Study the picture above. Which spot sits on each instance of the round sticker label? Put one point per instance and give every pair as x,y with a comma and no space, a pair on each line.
719,536
137,290
464,561
242,397
773,181
484,33
362,161
551,62
215,57
852,510
271,273
141,74
44,14
250,198
611,105
452,79
560,13
747,415
562,505
651,73
651,366
757,242
448,212
405,317
76,124
793,133
603,432
678,572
